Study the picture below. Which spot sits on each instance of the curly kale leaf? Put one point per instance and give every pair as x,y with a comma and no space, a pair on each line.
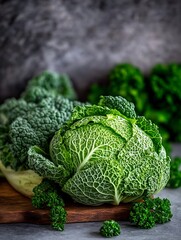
6,155
141,214
152,130
36,94
49,84
38,126
24,124
39,161
13,108
46,194
58,216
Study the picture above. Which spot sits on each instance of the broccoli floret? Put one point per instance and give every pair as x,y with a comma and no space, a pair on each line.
47,195
52,84
175,173
110,228
147,213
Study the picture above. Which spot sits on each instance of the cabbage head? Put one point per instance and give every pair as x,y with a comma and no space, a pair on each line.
105,154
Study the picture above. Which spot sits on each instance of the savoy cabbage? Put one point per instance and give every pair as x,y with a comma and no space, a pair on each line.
105,153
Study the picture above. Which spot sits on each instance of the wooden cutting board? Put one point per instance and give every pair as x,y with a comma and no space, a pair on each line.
15,208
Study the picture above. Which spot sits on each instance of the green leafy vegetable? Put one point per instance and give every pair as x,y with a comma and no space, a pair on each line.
148,213
32,120
110,228
48,84
165,80
12,109
103,156
58,217
156,96
127,81
124,80
175,173
97,90
34,126
164,84
47,195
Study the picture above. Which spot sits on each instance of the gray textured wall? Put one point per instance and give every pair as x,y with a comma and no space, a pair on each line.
84,38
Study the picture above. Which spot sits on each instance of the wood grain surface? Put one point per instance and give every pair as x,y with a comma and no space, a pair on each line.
15,208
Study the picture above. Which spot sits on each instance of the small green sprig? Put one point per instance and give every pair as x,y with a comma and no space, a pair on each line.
58,217
47,195
148,213
110,228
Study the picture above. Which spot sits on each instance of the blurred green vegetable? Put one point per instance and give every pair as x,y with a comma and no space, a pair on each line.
164,89
124,80
175,173
165,84
156,96
127,81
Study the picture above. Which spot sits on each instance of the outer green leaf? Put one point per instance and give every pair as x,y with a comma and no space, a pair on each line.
145,169
39,162
87,141
97,183
152,130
